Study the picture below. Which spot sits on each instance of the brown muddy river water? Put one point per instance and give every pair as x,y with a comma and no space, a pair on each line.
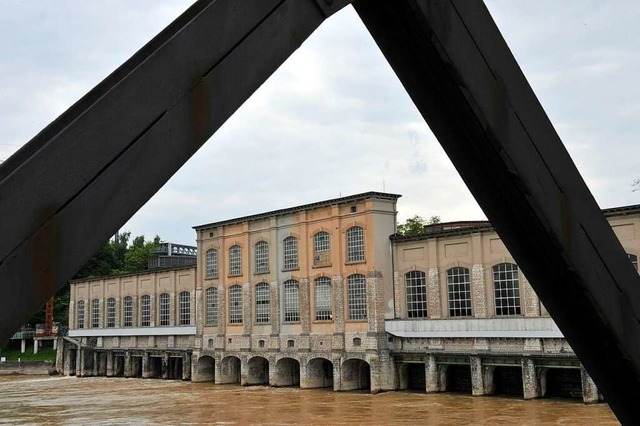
100,400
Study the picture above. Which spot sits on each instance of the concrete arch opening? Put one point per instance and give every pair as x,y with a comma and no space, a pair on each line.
118,366
136,366
561,383
412,376
356,375
155,367
458,378
508,381
206,369
230,370
258,371
175,368
287,372
319,374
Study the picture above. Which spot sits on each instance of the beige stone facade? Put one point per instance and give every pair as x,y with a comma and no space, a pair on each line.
325,295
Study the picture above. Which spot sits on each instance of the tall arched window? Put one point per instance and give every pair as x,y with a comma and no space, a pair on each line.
634,260
212,263
357,297
235,260
459,291
127,310
262,257
263,303
145,311
235,304
290,253
507,289
95,313
416,288
185,308
321,249
323,298
111,312
211,295
165,309
80,314
355,244
291,301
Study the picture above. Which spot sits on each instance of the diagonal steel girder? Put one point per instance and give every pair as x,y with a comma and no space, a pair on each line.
75,183
83,176
460,73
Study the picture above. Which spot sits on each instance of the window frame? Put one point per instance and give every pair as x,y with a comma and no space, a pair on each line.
211,261
145,311
416,294
355,248
211,306
184,308
95,313
357,297
127,311
261,250
80,314
111,312
322,249
322,292
263,303
291,301
290,254
459,285
164,310
510,305
235,310
235,260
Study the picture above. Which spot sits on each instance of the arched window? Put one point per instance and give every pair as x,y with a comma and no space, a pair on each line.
185,308
357,297
95,313
80,314
165,307
212,263
211,295
235,260
459,290
323,299
291,343
416,288
291,301
355,244
634,260
145,311
321,249
263,303
290,253
210,343
507,289
357,341
235,304
111,312
127,310
261,343
262,257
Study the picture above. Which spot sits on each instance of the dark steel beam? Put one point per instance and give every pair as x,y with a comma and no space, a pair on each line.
457,68
73,185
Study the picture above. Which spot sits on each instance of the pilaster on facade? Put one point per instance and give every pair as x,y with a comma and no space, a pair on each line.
222,311
433,294
478,291
531,300
275,307
396,294
247,309
338,302
375,302
304,298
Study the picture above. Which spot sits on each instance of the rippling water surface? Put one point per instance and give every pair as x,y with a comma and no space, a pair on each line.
100,400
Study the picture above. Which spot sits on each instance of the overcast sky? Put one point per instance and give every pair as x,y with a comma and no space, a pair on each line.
333,120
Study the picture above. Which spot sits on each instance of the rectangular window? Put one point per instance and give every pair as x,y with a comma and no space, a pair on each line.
357,297
185,308
128,311
212,306
323,299
80,319
263,305
95,313
235,304
416,286
145,311
164,309
111,312
291,302
507,289
459,289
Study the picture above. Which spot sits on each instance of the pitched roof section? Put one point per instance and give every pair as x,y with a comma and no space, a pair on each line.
319,204
448,229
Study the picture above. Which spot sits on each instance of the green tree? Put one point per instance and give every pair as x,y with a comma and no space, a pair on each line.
137,256
415,225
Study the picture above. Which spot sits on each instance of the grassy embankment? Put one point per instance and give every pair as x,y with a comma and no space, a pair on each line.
13,354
